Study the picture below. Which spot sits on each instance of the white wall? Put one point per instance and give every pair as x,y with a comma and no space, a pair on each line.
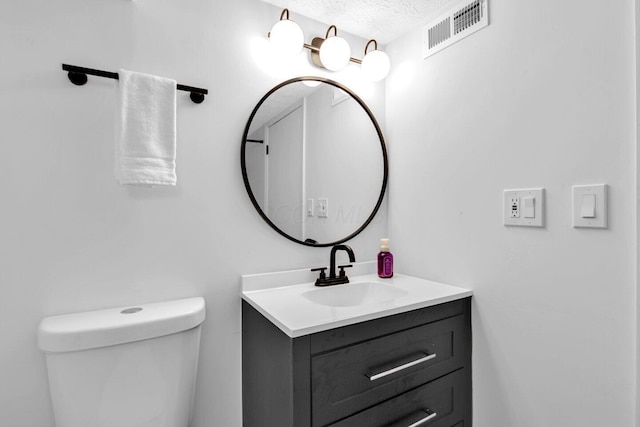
544,96
72,239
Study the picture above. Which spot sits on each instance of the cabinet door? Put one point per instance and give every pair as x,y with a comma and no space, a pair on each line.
436,404
353,378
276,389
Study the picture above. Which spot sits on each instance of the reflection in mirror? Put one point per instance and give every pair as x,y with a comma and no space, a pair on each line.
314,161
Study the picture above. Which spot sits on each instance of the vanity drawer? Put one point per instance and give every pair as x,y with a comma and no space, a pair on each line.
439,403
352,378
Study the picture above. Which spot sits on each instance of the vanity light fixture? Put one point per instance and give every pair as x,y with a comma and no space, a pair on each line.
331,52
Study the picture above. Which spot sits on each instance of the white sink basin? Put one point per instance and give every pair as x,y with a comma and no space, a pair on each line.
354,294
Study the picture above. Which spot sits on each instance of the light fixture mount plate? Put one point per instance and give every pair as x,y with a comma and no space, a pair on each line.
315,51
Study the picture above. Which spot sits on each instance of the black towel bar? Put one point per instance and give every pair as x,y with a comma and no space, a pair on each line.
78,76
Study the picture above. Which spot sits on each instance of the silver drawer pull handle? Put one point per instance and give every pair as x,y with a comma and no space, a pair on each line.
422,359
424,420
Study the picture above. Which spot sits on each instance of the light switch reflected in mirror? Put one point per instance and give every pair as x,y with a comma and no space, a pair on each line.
314,143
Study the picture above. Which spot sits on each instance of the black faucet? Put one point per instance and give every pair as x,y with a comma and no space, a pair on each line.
334,279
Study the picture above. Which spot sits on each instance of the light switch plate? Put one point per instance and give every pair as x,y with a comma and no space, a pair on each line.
582,213
519,198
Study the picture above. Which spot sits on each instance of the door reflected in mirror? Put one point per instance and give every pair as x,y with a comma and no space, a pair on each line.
314,161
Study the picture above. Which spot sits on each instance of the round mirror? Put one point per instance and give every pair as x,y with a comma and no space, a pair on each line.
314,161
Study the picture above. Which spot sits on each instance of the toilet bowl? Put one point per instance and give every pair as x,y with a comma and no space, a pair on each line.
130,366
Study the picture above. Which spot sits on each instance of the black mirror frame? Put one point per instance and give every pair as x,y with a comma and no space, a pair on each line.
383,146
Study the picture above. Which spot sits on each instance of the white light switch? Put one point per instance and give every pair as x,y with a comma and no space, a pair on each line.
524,208
588,209
528,207
590,206
310,207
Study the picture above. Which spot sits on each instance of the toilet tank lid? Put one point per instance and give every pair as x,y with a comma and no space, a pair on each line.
112,326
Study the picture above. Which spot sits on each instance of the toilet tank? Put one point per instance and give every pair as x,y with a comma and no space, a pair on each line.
133,366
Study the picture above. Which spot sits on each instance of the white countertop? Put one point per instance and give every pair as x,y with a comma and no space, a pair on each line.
287,307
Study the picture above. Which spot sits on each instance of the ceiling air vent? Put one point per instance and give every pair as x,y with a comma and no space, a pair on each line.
457,23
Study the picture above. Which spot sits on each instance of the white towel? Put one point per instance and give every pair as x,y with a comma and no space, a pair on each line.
146,135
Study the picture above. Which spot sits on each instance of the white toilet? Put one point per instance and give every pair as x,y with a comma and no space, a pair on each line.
124,367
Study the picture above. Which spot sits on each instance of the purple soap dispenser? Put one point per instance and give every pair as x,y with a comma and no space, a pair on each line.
385,260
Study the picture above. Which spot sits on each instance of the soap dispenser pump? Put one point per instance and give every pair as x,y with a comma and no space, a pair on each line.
385,260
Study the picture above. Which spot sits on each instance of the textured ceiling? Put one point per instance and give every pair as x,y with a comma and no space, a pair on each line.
383,20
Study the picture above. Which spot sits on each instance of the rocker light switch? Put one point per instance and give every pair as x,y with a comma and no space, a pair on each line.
528,207
310,207
588,209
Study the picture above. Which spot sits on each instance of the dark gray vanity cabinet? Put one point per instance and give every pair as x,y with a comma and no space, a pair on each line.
394,371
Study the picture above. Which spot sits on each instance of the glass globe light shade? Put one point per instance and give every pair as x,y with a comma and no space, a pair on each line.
376,65
335,53
286,37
